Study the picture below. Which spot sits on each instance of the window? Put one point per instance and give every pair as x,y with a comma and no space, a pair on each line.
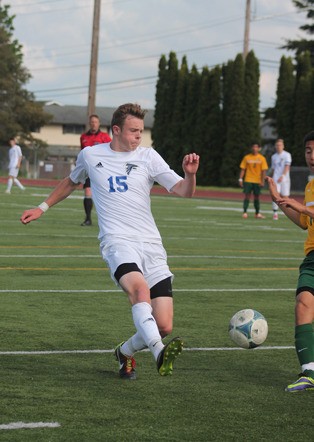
73,129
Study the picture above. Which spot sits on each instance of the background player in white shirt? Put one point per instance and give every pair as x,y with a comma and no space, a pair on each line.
122,174
15,159
280,171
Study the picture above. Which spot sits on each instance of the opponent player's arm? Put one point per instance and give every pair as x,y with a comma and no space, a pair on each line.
62,191
263,176
242,173
186,187
291,208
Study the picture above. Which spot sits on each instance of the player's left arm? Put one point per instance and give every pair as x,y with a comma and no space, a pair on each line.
186,187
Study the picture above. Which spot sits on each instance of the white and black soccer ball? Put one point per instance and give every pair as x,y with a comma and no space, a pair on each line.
248,328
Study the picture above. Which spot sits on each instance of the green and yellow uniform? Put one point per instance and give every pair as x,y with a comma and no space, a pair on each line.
306,277
253,166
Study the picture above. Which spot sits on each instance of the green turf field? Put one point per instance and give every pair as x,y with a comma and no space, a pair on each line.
57,297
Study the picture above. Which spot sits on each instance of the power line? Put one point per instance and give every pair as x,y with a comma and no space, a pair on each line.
140,58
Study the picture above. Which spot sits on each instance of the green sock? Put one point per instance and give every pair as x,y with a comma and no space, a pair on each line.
245,204
304,344
256,205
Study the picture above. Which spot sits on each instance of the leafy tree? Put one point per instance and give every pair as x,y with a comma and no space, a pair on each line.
19,113
284,108
302,45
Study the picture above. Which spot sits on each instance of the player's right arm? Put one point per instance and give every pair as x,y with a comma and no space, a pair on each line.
62,191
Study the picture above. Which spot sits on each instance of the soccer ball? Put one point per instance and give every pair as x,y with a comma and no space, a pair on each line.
248,328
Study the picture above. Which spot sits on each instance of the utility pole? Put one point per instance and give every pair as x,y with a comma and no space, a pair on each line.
93,62
247,29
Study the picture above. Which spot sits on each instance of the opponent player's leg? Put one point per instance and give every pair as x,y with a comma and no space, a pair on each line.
18,183
9,184
256,193
304,339
87,203
246,200
274,205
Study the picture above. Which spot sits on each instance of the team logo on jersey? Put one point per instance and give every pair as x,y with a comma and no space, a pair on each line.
99,165
129,167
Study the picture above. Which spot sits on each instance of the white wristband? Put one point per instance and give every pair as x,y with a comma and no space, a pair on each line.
43,206
240,179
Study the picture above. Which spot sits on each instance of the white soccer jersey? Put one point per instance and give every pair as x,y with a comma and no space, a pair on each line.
278,163
15,154
121,184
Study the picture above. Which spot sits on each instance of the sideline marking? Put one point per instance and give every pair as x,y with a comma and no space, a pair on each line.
24,425
66,352
119,291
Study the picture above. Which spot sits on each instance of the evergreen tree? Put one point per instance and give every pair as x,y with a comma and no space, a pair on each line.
251,98
19,113
175,133
237,143
302,45
190,114
284,108
170,79
303,107
160,96
208,134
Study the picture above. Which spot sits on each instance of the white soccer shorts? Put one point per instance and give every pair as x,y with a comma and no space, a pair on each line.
151,259
13,171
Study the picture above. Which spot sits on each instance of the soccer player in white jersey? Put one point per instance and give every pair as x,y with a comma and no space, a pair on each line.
15,159
280,171
122,174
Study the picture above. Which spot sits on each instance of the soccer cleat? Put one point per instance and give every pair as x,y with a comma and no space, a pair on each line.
167,356
126,364
245,215
7,191
303,383
87,222
259,216
275,216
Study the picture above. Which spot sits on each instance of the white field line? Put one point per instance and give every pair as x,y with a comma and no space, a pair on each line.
231,209
98,351
268,258
24,425
215,290
174,238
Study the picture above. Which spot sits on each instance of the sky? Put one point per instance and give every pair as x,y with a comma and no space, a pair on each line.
56,38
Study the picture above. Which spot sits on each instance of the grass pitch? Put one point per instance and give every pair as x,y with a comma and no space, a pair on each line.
57,298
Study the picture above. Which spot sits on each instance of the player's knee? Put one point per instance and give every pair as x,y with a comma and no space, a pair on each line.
303,309
165,330
164,326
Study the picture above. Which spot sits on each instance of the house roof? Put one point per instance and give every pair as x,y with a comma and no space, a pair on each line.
71,114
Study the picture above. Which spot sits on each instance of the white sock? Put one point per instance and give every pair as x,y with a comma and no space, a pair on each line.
134,344
10,182
275,207
309,366
146,326
19,184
